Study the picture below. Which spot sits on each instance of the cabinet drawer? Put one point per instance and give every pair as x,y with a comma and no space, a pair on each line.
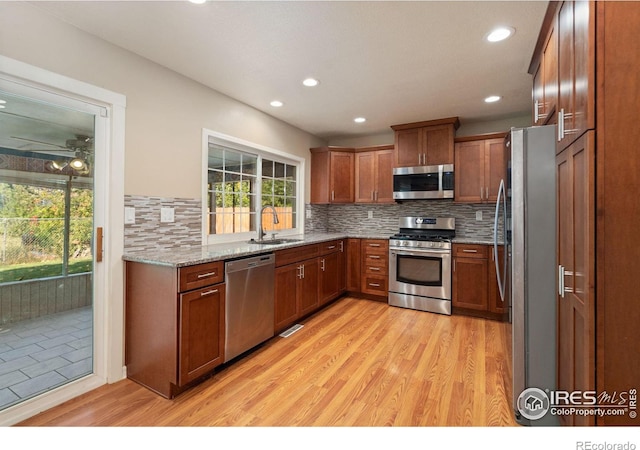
471,251
375,285
193,277
376,260
375,269
375,246
329,247
295,254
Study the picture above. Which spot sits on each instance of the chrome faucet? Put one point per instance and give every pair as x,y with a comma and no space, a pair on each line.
261,232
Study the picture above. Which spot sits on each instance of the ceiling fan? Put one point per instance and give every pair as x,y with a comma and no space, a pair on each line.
81,146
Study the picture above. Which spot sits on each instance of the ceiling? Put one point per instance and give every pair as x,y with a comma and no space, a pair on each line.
391,62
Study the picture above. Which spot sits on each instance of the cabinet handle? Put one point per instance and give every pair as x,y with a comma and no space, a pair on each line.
487,192
374,284
454,264
375,269
299,275
561,125
213,291
466,250
331,247
374,245
481,193
342,246
333,195
322,264
303,271
374,257
536,115
208,274
373,196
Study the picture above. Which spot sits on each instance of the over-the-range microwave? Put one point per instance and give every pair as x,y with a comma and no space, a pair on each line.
423,182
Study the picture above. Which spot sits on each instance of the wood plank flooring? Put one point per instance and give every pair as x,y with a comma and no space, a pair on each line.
356,363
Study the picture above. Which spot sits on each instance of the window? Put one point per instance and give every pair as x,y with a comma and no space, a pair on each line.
242,179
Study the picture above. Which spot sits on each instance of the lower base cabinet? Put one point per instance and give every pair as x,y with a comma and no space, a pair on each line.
475,287
306,279
174,330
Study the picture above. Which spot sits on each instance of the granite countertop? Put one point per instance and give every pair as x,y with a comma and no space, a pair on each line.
472,240
188,256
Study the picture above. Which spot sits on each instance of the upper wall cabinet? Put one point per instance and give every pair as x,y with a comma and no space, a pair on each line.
480,166
544,69
332,172
425,143
374,174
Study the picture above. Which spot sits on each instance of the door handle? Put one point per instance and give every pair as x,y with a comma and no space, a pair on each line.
99,244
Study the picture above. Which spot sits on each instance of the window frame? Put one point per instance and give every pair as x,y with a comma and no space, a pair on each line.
261,151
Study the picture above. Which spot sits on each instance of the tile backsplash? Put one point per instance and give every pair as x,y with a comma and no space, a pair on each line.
149,233
355,218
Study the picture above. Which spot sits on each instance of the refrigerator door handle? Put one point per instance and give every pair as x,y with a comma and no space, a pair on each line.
501,285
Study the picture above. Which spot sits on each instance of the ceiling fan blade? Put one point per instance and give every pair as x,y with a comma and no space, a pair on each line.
41,142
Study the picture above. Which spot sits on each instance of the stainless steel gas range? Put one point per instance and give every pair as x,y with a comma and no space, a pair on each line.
420,264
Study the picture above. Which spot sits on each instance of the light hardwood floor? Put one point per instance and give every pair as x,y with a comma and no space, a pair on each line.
356,363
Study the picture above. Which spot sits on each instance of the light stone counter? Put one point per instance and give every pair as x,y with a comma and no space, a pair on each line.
188,256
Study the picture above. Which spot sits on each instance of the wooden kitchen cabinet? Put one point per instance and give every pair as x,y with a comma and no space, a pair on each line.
353,265
374,275
576,74
374,174
470,277
331,270
479,167
296,284
425,143
545,76
174,329
332,175
597,172
475,286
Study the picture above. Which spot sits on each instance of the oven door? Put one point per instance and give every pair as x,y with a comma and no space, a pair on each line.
420,272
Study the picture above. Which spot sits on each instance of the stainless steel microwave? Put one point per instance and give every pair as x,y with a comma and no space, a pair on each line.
423,182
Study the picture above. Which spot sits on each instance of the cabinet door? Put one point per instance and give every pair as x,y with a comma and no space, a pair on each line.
201,330
576,322
495,169
365,177
353,265
320,179
341,174
437,145
538,95
469,168
384,176
328,281
550,58
409,147
308,291
470,283
286,295
584,67
342,267
566,75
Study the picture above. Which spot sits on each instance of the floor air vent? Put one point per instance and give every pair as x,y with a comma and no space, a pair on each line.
290,331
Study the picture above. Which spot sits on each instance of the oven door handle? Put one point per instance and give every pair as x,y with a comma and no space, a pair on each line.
420,252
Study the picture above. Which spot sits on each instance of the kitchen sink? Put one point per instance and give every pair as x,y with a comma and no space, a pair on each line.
273,241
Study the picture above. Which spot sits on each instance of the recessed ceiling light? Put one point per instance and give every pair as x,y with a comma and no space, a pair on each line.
492,98
2,106
310,82
276,103
2,102
198,2
500,34
359,120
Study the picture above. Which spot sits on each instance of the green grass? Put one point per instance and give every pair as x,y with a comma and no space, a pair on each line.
32,271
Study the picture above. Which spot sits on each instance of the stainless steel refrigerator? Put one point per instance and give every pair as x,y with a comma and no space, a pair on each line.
526,212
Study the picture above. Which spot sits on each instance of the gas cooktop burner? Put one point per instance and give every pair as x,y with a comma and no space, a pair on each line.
421,237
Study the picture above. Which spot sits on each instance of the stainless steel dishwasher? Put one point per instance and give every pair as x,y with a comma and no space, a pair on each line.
249,305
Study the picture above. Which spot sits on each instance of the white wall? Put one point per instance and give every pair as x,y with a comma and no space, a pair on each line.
165,111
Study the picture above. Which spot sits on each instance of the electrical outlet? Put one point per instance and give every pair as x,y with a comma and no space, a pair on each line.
129,215
167,215
370,215
478,215
308,214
